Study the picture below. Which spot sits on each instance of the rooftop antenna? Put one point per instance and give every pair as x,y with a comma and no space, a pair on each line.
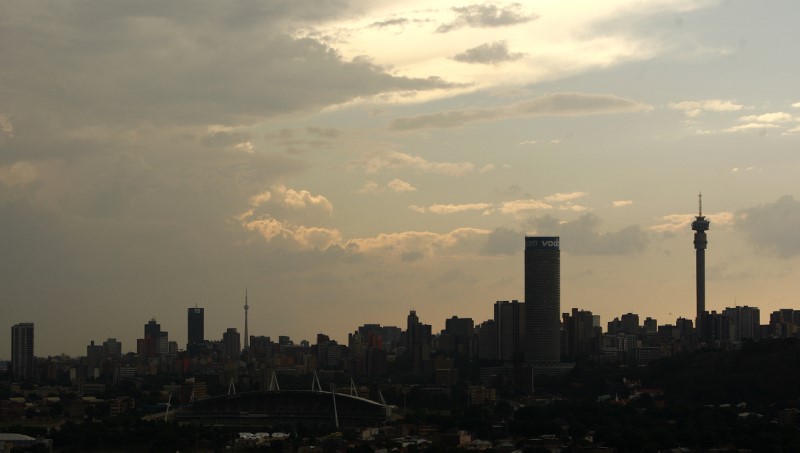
700,202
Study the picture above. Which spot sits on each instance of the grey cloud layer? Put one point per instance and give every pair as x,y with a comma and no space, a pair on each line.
773,227
581,236
557,104
106,63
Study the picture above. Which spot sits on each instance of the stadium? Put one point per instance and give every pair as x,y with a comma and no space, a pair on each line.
285,407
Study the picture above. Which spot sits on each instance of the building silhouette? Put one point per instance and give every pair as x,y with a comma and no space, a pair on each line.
196,327
700,226
745,323
542,300
231,344
509,318
418,341
22,350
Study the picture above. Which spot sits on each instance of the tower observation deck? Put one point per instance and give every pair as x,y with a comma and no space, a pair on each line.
700,226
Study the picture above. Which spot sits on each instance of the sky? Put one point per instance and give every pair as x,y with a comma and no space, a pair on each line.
347,161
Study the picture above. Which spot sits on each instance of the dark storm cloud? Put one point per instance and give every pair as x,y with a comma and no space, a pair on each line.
490,53
582,236
773,228
487,16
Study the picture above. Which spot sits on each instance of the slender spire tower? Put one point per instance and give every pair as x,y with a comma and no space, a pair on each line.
700,225
246,336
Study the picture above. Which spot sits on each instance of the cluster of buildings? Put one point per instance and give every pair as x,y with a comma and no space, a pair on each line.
523,338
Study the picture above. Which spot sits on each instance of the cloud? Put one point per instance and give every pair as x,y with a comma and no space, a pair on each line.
370,187
18,173
451,208
621,203
752,126
694,108
503,241
394,159
399,185
487,16
557,104
561,197
426,243
516,207
772,227
490,53
674,223
281,211
393,22
6,129
582,236
775,117
796,105
231,64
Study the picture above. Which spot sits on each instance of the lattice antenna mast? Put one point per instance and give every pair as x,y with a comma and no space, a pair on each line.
700,203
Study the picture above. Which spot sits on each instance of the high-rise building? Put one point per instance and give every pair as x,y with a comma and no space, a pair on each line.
630,323
700,225
487,340
744,323
112,348
231,341
155,342
418,341
581,336
542,300
509,319
22,350
196,325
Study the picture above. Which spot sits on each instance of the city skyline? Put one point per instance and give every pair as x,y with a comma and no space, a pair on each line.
352,161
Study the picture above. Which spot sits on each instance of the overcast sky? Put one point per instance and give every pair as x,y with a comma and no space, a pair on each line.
348,161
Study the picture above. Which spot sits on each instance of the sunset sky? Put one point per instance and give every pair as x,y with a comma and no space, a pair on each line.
348,161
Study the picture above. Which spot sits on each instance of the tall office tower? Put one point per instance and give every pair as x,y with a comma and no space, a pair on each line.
155,342
487,340
418,341
246,307
22,350
700,225
509,318
745,323
231,342
582,338
542,300
196,325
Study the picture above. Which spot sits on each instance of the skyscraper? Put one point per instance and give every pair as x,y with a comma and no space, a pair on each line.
22,350
196,323
509,318
700,225
231,341
542,300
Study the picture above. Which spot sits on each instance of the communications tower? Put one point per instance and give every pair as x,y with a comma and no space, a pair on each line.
700,226
246,336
